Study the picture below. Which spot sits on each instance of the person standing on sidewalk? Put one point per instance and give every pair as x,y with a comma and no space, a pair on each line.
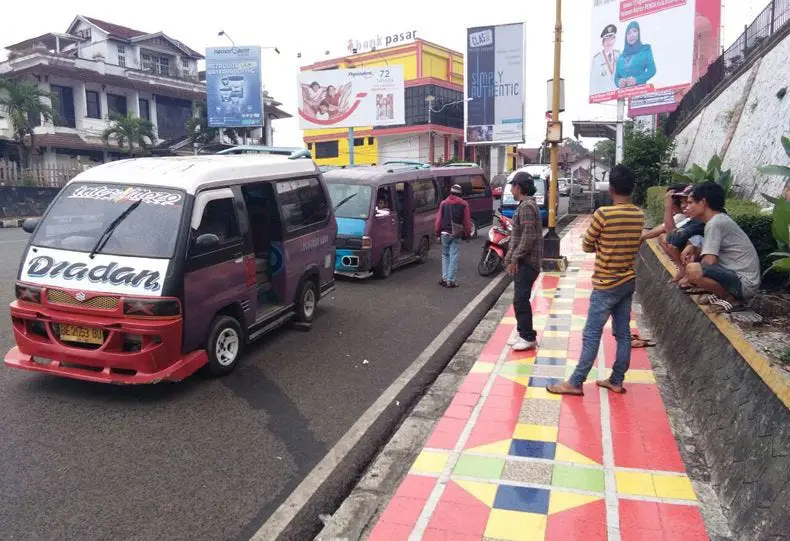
453,224
524,257
614,237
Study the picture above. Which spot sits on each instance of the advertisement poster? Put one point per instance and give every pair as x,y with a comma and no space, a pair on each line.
346,98
633,52
707,41
495,84
233,87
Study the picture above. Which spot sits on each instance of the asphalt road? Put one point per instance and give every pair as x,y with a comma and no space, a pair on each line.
208,459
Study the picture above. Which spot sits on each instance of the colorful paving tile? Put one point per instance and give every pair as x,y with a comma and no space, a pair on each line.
511,462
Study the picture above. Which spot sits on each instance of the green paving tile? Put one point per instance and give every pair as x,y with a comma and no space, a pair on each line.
516,370
591,376
482,467
578,478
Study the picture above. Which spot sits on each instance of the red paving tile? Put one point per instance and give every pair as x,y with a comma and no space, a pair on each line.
402,510
491,432
497,342
446,433
459,512
416,486
587,523
434,534
505,387
474,383
649,521
580,424
385,531
465,399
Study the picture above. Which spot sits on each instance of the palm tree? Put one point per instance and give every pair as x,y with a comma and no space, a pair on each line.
23,102
199,131
131,132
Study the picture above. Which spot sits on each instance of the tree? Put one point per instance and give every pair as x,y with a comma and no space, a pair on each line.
648,156
576,146
131,132
606,150
199,131
23,102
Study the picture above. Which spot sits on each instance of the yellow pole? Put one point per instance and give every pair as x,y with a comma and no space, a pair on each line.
555,117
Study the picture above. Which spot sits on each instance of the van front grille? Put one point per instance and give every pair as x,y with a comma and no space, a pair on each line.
103,302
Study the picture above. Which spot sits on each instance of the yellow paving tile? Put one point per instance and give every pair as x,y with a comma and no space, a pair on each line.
556,334
482,368
522,360
515,526
635,483
674,487
485,492
521,380
560,312
562,501
535,432
541,393
497,448
636,376
430,462
508,320
566,454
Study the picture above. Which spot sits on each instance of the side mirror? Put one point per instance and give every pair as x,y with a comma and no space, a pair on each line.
29,225
206,241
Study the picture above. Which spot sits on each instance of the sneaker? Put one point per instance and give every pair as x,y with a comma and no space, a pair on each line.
524,345
443,282
452,284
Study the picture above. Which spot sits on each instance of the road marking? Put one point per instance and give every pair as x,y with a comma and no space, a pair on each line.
282,517
12,241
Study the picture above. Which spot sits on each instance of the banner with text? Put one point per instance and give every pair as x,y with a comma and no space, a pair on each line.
495,85
233,87
707,40
346,98
634,53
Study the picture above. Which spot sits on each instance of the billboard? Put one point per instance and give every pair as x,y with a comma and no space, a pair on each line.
495,84
233,87
707,40
346,98
633,52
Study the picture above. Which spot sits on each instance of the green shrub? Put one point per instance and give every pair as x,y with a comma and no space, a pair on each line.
655,203
757,227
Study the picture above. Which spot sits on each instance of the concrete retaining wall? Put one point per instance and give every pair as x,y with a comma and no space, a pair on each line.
742,423
25,201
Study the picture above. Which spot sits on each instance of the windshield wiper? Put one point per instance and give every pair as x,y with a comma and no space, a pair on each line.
110,228
345,200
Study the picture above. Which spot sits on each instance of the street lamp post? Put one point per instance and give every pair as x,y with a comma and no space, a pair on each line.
429,101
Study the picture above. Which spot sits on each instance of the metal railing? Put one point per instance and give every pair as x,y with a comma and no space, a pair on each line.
775,15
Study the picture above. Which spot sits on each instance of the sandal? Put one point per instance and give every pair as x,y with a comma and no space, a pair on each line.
639,343
707,299
693,290
720,306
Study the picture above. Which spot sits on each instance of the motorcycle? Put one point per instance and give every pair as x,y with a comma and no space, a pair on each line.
496,245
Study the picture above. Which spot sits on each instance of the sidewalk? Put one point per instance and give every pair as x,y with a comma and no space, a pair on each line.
510,462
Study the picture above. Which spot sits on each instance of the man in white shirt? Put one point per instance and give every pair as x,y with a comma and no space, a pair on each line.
604,63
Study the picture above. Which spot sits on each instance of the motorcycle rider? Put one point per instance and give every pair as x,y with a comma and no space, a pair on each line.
524,257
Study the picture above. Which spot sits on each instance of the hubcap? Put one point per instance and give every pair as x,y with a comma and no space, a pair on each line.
227,347
308,303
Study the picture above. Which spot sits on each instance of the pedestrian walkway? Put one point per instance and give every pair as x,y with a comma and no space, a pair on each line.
509,461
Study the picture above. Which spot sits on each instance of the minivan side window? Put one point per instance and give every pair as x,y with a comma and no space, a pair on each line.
303,203
472,185
219,218
424,194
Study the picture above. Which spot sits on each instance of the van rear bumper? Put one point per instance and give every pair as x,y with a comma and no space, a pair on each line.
134,351
352,261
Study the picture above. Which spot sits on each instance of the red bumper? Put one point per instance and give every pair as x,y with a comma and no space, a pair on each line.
158,357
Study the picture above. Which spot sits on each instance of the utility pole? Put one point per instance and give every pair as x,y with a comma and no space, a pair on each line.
553,261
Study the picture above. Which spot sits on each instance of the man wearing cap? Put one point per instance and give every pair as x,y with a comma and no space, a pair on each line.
524,257
453,224
604,63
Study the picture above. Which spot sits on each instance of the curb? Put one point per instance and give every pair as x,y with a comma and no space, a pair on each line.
12,223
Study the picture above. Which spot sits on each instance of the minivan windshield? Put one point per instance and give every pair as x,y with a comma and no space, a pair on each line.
83,212
354,200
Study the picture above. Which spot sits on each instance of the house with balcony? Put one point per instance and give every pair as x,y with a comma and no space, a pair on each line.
97,69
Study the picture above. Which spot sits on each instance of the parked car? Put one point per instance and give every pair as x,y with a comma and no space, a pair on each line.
498,186
564,186
146,270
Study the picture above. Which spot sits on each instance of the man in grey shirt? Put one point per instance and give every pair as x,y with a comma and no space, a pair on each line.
730,267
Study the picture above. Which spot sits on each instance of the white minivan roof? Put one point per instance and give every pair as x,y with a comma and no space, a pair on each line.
542,171
192,173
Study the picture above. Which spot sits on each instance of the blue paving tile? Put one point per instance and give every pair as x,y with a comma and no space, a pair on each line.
542,382
551,361
533,449
525,500
565,328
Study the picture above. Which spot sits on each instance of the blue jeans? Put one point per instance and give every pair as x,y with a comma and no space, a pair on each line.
603,303
451,248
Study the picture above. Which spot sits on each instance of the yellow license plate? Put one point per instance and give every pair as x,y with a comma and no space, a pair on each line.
85,335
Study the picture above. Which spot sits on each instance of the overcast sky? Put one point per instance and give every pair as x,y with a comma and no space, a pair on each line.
312,27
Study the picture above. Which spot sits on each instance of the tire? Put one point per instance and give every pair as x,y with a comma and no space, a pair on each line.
224,346
384,268
425,246
489,263
307,301
475,232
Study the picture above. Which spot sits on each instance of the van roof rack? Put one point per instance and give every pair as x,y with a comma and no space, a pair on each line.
460,164
414,163
292,152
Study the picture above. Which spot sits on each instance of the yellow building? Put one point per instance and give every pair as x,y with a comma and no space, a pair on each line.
429,70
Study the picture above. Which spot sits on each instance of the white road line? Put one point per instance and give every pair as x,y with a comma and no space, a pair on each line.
12,241
610,483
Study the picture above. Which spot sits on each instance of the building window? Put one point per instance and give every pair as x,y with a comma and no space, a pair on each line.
185,63
93,101
122,55
63,104
309,146
326,149
359,141
145,109
370,140
451,116
116,105
157,64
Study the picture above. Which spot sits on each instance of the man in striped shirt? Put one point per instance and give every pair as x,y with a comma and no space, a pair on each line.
614,238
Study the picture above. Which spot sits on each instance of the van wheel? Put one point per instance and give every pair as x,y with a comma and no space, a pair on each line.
474,230
306,302
224,345
384,268
422,252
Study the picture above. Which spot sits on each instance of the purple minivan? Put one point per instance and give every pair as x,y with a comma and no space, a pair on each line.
385,217
146,270
476,191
